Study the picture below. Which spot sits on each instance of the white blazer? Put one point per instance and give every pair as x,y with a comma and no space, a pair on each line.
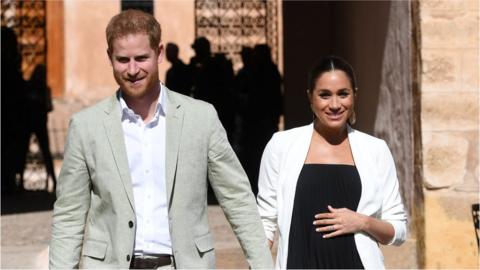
282,161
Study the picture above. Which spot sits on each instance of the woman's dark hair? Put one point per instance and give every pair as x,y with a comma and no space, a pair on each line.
331,63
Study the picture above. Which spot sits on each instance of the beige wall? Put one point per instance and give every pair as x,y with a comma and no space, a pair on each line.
177,19
88,75
450,121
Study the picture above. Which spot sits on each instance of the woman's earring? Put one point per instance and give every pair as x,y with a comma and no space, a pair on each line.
352,119
313,113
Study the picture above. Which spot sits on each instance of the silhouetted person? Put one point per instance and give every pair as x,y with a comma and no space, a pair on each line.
201,65
213,81
12,93
244,80
178,76
264,107
38,103
243,86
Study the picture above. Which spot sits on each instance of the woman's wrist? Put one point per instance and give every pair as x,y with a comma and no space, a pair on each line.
366,223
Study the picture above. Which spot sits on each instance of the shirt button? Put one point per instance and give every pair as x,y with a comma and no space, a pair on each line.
130,224
147,171
128,258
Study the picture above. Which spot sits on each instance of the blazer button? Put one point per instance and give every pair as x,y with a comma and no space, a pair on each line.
130,224
128,258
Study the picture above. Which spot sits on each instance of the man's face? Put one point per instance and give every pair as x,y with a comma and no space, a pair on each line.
135,65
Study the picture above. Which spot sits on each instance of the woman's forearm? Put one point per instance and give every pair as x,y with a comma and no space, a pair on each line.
381,230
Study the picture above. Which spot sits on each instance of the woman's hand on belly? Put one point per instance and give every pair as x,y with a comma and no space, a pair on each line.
341,221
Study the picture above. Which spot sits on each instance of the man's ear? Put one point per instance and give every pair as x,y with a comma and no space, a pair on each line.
109,54
160,53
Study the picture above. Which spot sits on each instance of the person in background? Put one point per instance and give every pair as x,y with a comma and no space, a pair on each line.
179,77
13,113
265,106
331,190
213,82
38,103
242,87
132,191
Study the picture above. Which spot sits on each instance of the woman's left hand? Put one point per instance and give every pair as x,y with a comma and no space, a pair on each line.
339,221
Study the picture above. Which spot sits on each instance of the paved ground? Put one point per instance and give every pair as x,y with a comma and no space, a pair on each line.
25,237
25,240
26,222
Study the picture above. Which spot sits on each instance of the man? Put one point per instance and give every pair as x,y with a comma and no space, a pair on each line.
132,191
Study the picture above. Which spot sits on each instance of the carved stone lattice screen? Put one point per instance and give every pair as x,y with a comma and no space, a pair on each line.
231,24
27,18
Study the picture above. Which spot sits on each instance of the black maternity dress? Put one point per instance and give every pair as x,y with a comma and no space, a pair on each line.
318,186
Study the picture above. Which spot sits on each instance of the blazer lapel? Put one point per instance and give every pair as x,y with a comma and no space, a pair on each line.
295,159
361,163
174,124
113,128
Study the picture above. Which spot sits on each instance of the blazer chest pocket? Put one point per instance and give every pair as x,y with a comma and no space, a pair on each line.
204,243
95,248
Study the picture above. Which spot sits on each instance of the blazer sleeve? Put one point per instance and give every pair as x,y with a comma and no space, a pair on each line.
267,189
234,194
71,206
393,210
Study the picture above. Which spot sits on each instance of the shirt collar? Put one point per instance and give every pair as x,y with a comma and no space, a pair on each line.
160,109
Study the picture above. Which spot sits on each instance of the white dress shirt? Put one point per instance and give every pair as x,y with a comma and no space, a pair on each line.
145,145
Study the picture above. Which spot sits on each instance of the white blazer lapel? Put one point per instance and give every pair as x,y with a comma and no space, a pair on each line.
367,172
293,159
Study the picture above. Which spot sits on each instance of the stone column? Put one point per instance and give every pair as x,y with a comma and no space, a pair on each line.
449,124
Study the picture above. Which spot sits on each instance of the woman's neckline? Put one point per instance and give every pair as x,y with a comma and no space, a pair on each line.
330,164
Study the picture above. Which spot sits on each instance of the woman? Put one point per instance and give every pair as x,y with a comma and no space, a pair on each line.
332,190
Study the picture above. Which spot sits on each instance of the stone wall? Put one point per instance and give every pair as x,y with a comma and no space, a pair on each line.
393,121
88,74
450,130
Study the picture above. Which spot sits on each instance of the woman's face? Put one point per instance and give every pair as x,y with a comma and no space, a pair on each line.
332,100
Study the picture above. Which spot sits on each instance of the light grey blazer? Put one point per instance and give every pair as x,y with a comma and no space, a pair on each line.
95,201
